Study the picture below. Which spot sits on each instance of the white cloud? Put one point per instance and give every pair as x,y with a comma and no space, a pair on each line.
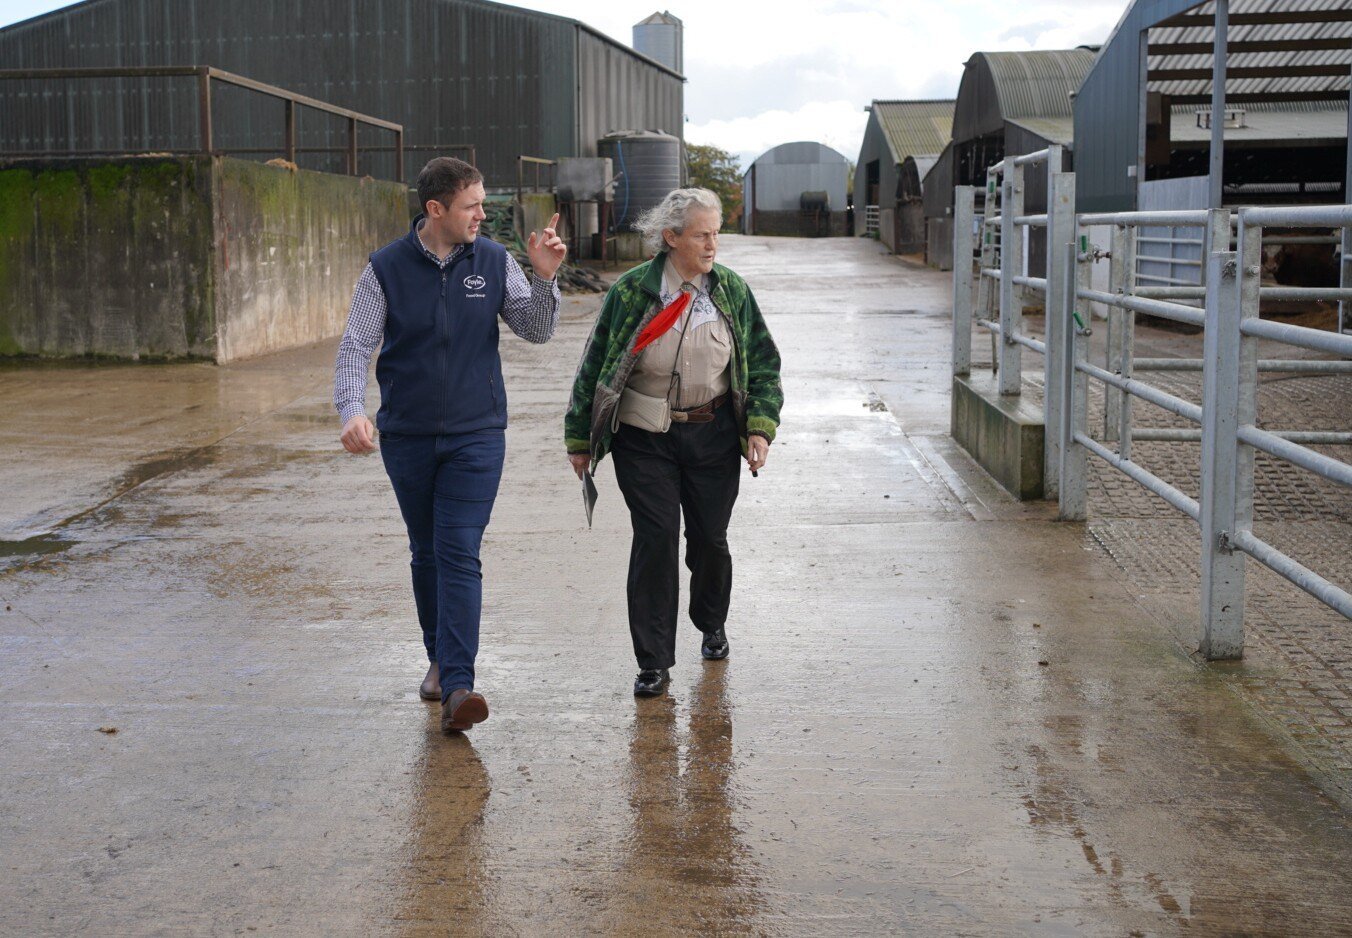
838,124
763,73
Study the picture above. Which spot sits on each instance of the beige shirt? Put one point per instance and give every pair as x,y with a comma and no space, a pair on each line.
705,355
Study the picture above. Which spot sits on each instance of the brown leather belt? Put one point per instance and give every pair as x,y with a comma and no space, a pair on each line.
704,413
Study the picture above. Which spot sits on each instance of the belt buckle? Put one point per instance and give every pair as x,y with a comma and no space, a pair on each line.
679,416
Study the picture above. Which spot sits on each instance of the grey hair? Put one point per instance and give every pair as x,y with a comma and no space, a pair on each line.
672,214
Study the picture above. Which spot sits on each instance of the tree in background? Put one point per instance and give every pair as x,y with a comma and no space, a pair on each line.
717,170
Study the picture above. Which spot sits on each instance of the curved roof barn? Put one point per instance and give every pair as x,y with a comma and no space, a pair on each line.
1018,87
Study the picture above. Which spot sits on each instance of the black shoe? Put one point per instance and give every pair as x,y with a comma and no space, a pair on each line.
651,682
715,647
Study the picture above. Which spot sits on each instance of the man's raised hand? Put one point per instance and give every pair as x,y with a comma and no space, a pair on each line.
547,250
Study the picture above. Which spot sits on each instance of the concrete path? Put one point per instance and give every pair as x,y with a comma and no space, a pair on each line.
944,714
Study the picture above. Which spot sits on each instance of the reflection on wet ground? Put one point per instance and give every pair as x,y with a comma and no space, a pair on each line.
445,878
684,855
942,714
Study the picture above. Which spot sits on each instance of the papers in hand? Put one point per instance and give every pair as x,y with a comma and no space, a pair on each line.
588,495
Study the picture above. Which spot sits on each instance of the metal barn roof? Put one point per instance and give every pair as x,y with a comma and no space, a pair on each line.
1276,48
799,152
1283,56
1059,130
915,128
1001,86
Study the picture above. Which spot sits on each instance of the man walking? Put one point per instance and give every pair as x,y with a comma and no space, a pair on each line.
431,302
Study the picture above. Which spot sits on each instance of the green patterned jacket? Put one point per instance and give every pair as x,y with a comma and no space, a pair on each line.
609,358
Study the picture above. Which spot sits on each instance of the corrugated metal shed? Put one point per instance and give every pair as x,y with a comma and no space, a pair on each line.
1009,103
785,172
937,184
898,131
1001,86
1304,48
509,81
1290,60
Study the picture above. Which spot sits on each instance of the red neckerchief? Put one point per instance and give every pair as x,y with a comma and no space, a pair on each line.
662,321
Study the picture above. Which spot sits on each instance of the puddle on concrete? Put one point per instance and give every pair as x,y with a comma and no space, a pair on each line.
34,546
143,472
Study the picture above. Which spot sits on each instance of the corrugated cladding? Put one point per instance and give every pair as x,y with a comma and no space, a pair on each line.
785,172
1001,86
1106,108
915,128
1023,139
1246,32
896,131
937,184
875,147
617,93
507,80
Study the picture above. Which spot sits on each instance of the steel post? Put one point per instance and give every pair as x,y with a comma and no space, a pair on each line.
1009,353
205,142
1223,503
352,146
1060,274
290,131
964,212
985,290
1217,153
1345,253
1121,337
1072,485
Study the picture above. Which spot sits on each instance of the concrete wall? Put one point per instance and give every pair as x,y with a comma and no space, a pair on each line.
106,259
181,257
1003,433
290,246
939,250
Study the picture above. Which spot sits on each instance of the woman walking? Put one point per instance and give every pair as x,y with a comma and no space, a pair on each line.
679,381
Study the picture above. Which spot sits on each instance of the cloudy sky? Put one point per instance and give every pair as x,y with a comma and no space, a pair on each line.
763,73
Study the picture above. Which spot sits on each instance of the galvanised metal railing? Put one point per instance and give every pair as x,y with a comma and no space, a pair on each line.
871,218
1001,289
1225,420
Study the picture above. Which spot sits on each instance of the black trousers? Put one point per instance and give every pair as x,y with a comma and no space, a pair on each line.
692,469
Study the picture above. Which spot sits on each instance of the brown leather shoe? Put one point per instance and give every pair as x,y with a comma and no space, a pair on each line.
431,685
462,710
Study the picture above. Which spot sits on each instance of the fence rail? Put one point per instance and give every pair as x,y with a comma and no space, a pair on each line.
205,76
990,278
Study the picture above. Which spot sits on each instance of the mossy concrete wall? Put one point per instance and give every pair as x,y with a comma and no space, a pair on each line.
290,246
192,257
109,258
1003,433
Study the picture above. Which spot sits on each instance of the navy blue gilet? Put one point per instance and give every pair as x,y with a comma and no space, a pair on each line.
439,369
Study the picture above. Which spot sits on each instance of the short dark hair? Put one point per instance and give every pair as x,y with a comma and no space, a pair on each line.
443,177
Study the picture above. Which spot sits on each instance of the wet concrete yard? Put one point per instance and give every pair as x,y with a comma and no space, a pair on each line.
945,712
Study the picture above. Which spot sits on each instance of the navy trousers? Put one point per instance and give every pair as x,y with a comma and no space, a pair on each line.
446,486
